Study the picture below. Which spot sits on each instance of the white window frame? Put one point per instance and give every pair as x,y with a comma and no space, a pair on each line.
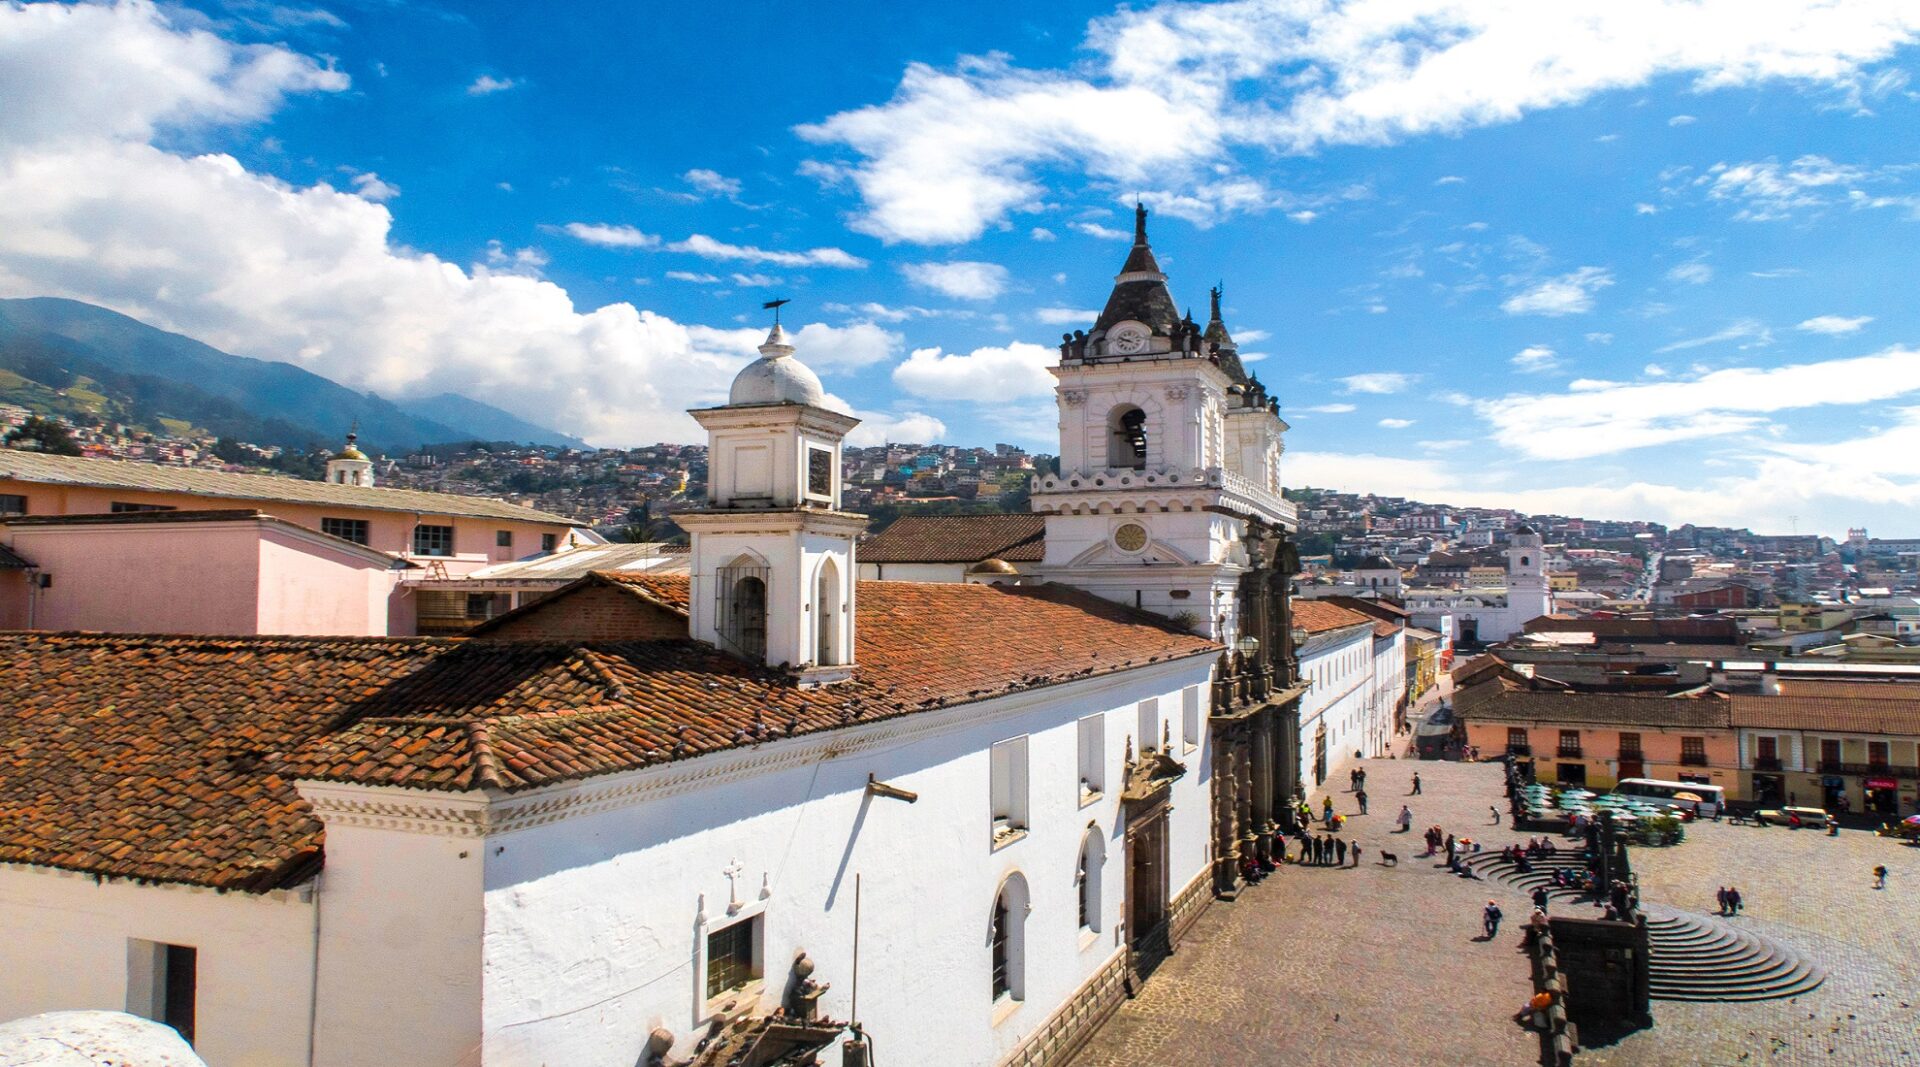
1091,733
1008,786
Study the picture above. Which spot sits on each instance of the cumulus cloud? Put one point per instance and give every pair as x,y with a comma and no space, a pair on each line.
1378,382
1175,88
1598,418
1395,424
1568,294
1834,325
1535,359
371,187
961,279
1065,316
984,374
1105,233
712,182
487,85
818,345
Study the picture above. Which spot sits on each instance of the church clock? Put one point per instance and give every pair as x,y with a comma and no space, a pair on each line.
1128,338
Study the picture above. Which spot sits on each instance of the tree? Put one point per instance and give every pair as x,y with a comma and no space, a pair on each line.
43,435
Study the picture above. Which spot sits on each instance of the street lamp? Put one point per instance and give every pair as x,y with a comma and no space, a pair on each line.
1248,645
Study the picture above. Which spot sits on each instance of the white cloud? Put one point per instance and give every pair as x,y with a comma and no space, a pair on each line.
1644,208
1105,233
1599,338
1378,382
1834,325
1768,191
1535,359
1173,89
960,279
487,85
912,427
705,247
1682,120
1303,216
88,71
1607,417
1248,337
526,261
1755,333
609,236
1568,294
985,374
1695,273
1041,233
1449,179
1395,424
370,187
885,313
693,276
1330,409
754,281
818,345
1065,316
712,182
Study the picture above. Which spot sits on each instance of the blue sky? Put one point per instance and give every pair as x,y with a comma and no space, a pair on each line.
1651,259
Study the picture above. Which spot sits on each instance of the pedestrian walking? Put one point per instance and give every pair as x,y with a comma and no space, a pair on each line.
1490,920
1495,812
1360,778
1880,876
1356,853
1326,810
1733,899
1361,796
1721,898
1416,783
1340,850
1406,819
1540,897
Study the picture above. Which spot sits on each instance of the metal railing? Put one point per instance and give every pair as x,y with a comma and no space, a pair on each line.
1693,759
1766,763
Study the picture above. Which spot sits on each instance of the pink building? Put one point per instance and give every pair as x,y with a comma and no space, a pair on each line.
239,572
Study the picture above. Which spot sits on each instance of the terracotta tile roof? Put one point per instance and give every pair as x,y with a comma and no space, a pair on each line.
1837,714
43,469
1504,703
173,758
1321,616
958,539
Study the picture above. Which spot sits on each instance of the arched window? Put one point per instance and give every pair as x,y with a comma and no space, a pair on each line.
1127,438
1086,877
740,588
1007,940
826,602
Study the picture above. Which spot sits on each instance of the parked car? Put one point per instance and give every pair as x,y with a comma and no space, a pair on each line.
1792,816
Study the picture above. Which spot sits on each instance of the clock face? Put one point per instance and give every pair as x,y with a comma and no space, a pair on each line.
1128,339
1130,538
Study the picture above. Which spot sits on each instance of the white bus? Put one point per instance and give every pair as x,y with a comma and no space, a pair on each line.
1712,797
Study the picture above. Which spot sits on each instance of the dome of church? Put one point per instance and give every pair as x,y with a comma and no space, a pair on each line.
1523,528
994,565
351,451
776,377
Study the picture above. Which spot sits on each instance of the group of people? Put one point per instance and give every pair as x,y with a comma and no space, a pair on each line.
1328,851
1729,898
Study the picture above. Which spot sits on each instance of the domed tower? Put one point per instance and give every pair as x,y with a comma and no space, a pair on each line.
350,466
772,559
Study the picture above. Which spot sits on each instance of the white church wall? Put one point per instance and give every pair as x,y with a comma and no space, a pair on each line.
1340,667
593,923
399,975
953,573
253,967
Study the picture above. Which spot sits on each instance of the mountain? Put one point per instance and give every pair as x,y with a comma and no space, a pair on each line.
488,423
75,358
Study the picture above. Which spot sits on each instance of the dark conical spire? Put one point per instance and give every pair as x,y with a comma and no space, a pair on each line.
1140,290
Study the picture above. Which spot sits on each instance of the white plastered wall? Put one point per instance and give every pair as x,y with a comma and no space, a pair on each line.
594,927
67,947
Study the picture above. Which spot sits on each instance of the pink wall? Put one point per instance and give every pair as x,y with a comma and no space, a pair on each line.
388,531
242,577
13,600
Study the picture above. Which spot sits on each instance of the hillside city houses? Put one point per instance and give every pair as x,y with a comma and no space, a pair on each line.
518,755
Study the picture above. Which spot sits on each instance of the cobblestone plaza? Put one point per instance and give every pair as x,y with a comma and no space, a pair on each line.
1380,964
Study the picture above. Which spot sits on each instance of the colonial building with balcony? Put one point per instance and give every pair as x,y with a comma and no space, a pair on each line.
1851,746
1597,739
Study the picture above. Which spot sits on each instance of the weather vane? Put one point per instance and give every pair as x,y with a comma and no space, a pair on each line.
775,306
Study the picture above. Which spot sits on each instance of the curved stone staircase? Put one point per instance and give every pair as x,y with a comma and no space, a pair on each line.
1690,957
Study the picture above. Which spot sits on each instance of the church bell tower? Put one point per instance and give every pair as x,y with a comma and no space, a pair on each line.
773,567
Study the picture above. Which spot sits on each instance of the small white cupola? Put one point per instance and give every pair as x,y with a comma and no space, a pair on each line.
773,568
350,466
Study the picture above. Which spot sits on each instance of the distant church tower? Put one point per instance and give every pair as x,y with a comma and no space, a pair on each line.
350,466
1527,593
772,558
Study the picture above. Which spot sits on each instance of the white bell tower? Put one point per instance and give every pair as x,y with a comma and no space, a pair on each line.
773,568
350,466
1527,592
